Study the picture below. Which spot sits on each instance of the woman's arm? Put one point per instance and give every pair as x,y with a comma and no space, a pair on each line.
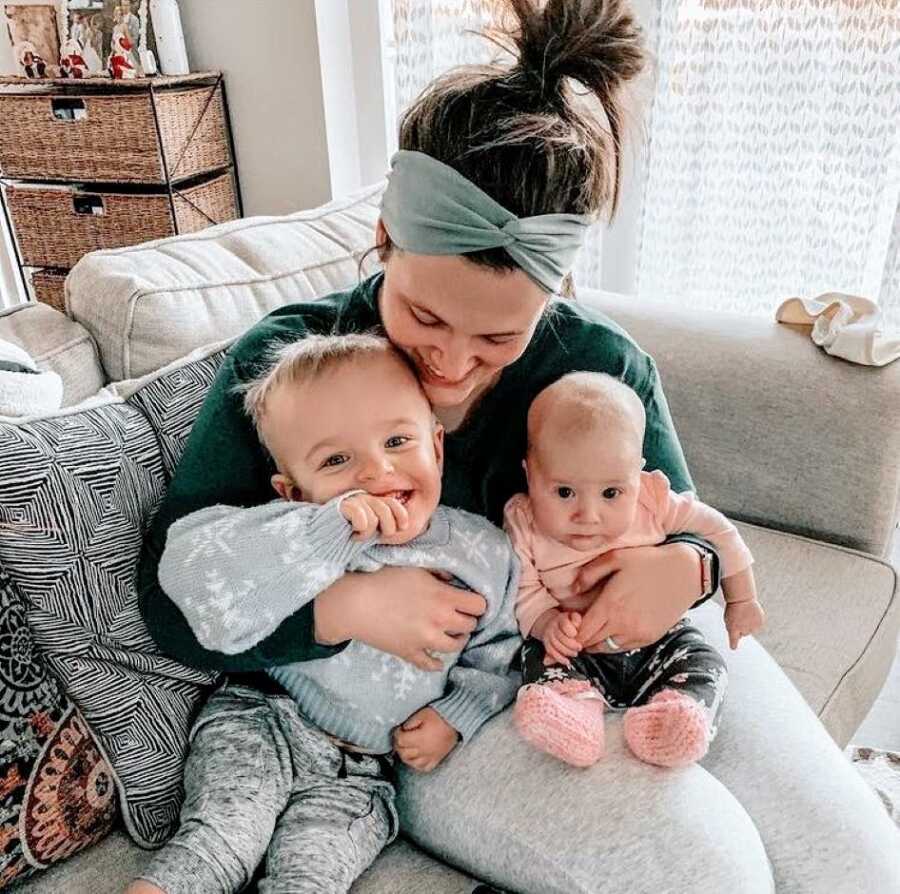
236,574
639,593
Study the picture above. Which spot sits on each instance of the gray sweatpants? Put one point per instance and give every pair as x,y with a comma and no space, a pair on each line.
262,781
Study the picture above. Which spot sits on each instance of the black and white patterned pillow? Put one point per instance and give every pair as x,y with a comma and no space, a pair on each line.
171,404
77,495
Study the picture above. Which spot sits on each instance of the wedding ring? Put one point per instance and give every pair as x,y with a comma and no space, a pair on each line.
613,645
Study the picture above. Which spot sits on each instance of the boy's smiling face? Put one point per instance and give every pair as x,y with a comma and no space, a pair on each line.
362,425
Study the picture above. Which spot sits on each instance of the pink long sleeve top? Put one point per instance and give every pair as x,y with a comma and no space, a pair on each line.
549,568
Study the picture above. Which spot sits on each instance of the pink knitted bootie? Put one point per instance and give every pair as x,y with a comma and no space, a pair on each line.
671,730
558,718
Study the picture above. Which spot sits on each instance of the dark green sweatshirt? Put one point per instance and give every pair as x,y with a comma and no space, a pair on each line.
223,461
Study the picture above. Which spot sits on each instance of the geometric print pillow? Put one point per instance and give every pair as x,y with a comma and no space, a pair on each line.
77,495
57,794
171,403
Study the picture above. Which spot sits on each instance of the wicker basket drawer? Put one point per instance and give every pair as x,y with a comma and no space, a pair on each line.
56,226
49,287
113,139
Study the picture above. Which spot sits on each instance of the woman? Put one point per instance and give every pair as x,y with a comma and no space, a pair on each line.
500,171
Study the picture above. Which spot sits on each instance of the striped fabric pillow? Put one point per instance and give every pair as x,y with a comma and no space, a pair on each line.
77,494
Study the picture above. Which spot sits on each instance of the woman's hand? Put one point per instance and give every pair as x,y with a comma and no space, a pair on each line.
408,612
639,593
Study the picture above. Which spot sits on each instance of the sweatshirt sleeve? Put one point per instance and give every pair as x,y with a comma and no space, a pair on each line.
678,513
482,682
236,574
533,598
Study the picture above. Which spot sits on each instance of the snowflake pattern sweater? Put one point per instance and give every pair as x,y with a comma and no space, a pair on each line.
237,573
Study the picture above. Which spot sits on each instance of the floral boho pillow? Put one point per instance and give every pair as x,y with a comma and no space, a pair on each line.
57,792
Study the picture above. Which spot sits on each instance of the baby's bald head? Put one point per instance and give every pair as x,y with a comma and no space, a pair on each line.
586,403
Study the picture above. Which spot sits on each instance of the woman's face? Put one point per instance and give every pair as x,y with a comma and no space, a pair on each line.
458,322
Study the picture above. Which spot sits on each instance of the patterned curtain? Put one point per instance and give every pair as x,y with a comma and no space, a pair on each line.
432,36
773,162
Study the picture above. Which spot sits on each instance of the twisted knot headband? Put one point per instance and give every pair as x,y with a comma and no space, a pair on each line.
431,209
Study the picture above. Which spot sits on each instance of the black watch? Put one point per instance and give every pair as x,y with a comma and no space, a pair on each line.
709,563
706,569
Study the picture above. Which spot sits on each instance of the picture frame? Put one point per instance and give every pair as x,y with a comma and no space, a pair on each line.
37,30
79,38
96,28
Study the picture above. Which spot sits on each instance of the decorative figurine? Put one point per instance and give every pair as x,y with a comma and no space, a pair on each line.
119,65
72,62
32,64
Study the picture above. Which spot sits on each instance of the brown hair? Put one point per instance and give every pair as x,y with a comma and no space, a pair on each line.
525,133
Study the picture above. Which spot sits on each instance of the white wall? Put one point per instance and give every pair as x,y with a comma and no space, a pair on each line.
269,53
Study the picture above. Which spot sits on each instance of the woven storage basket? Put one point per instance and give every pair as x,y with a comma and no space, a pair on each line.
49,287
115,141
55,227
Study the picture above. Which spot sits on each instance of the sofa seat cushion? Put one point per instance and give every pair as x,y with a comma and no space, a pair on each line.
401,869
56,787
78,491
150,304
833,619
56,344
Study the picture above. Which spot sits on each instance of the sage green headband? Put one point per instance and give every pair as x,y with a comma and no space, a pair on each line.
431,209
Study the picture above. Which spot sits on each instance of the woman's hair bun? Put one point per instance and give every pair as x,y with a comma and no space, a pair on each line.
595,42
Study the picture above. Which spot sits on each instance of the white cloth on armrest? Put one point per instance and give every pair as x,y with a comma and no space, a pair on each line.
15,359
846,326
25,390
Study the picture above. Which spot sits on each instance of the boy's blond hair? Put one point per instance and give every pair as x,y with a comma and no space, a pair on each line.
305,360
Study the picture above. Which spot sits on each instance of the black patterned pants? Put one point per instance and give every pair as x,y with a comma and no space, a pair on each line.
681,660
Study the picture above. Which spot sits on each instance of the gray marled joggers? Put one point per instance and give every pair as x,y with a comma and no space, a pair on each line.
261,781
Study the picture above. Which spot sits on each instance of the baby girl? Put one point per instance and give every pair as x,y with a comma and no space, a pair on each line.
587,494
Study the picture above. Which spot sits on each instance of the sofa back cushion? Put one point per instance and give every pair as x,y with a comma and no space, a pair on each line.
151,304
775,431
77,494
58,793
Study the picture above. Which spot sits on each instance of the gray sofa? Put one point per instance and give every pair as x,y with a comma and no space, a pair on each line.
816,440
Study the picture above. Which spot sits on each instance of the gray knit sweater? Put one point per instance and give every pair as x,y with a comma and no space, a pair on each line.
236,574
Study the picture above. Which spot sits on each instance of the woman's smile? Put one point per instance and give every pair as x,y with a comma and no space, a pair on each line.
433,376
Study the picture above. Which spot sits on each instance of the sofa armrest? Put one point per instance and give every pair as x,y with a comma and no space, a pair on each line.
775,431
57,344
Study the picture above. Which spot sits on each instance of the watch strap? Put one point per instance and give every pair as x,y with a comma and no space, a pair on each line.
709,563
